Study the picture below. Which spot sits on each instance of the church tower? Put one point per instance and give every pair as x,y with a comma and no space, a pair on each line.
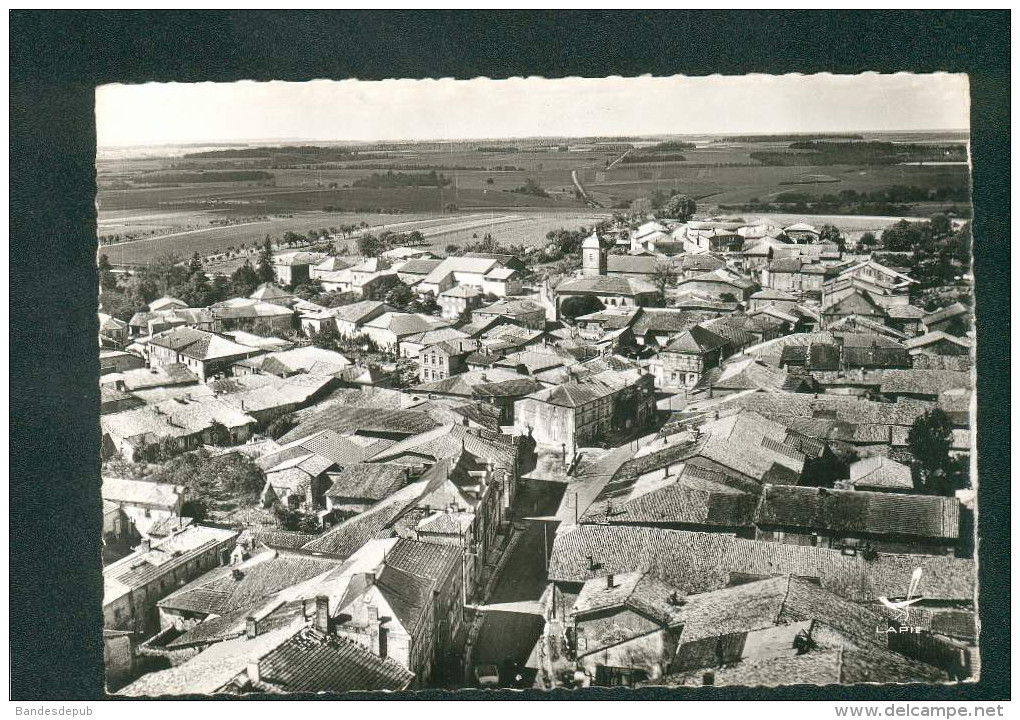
594,255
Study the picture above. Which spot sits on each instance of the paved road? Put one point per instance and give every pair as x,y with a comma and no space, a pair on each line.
507,637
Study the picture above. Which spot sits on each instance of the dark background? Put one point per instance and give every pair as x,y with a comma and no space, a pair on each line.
56,59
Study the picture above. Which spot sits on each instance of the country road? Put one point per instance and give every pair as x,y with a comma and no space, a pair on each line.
580,189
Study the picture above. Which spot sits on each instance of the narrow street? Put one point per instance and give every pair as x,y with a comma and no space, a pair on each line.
507,638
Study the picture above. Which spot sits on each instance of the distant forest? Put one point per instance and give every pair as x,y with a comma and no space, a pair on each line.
162,178
893,201
305,150
860,153
391,179
633,158
785,138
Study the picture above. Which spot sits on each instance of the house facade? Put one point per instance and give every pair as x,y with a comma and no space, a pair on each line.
586,411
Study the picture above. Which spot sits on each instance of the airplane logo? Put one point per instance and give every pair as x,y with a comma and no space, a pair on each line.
902,607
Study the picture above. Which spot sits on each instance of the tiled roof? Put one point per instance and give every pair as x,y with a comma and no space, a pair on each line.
513,387
699,562
640,264
465,384
367,480
404,324
578,393
460,265
199,344
298,258
771,294
850,511
419,266
481,414
605,285
139,492
668,320
227,589
950,311
612,318
346,419
348,537
639,591
461,291
751,374
904,312
173,418
448,441
312,662
212,669
340,449
302,359
749,444
501,273
924,382
511,308
881,472
696,340
270,291
937,336
143,566
357,312
829,666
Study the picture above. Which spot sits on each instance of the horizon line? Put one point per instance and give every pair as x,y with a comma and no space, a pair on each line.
280,141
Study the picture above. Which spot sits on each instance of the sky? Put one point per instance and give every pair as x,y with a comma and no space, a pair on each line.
352,110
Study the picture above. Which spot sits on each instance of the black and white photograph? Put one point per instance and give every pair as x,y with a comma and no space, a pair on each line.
536,383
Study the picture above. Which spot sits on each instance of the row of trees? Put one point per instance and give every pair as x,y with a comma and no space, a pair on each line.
188,281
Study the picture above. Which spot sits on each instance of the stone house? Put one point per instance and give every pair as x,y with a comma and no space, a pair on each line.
683,361
459,300
445,358
585,411
135,584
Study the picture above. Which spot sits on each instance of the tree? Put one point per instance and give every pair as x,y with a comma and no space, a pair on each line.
281,426
107,278
196,292
941,225
577,305
264,269
244,280
327,339
901,237
831,234
930,441
369,245
195,264
664,275
868,239
215,481
399,297
218,433
678,207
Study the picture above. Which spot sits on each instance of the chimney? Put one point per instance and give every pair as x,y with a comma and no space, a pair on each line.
322,614
251,628
145,545
609,582
373,614
253,672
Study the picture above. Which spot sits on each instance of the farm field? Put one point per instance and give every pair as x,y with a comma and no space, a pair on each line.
211,240
460,230
713,186
528,228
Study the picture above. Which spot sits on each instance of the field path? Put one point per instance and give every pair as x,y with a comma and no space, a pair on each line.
580,188
625,154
